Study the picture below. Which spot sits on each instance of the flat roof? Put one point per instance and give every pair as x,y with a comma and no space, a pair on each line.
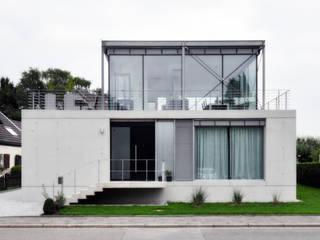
134,44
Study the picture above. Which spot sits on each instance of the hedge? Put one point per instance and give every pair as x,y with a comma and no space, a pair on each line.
308,174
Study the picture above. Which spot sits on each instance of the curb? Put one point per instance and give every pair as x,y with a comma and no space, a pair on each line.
317,225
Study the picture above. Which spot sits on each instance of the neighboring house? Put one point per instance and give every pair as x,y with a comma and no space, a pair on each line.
197,110
10,142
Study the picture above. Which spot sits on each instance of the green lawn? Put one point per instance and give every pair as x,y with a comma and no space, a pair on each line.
310,205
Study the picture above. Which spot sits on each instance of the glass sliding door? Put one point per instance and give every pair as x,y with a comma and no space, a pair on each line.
132,151
246,152
120,153
211,153
126,83
162,82
228,152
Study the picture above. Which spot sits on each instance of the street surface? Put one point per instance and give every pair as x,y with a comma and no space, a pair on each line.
160,233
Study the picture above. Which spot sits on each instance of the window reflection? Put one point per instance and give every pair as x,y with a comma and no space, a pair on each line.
240,86
126,82
162,82
203,80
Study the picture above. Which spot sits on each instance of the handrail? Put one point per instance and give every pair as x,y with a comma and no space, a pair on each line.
161,100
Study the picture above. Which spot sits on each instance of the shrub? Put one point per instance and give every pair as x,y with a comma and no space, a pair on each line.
16,170
308,174
276,199
49,207
237,197
60,201
199,197
308,149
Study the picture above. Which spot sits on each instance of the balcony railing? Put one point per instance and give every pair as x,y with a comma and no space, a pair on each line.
133,170
159,100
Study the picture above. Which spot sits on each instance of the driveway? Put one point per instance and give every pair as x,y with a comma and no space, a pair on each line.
13,204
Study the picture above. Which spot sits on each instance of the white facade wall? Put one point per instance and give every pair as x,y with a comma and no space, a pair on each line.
12,151
76,145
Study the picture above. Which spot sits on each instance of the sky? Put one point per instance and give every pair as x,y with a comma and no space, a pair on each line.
67,34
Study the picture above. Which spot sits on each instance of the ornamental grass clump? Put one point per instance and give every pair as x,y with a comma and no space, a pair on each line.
276,199
60,200
237,197
199,197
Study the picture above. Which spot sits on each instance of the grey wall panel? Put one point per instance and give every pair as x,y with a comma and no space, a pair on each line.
184,150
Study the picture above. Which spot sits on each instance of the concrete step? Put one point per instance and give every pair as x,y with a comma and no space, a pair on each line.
83,194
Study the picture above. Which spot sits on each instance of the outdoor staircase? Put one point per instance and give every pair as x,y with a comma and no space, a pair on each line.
119,192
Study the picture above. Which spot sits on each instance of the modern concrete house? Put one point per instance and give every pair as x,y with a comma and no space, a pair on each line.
197,111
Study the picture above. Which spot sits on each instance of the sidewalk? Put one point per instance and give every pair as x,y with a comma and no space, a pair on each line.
160,221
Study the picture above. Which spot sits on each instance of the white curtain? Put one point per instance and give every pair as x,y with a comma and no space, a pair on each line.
211,153
246,152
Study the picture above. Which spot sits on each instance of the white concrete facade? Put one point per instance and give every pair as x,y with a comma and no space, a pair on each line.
76,145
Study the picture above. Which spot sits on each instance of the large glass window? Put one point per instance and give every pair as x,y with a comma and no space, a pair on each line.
162,82
126,82
229,153
203,76
240,82
211,82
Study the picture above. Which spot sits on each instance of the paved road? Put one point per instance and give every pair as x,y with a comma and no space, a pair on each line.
160,233
163,221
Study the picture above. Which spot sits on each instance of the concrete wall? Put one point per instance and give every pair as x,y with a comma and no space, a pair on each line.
75,145
13,151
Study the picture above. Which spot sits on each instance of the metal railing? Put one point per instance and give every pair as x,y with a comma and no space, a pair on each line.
159,100
279,100
134,170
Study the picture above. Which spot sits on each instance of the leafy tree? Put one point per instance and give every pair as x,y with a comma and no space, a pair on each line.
30,80
77,83
8,101
308,149
13,99
56,79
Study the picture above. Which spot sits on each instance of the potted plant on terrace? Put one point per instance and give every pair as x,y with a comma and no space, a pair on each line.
160,178
168,176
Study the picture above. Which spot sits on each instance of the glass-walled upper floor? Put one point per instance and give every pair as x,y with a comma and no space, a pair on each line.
187,81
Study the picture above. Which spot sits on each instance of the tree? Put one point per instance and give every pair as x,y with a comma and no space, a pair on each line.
8,101
13,99
56,79
78,83
30,80
308,149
